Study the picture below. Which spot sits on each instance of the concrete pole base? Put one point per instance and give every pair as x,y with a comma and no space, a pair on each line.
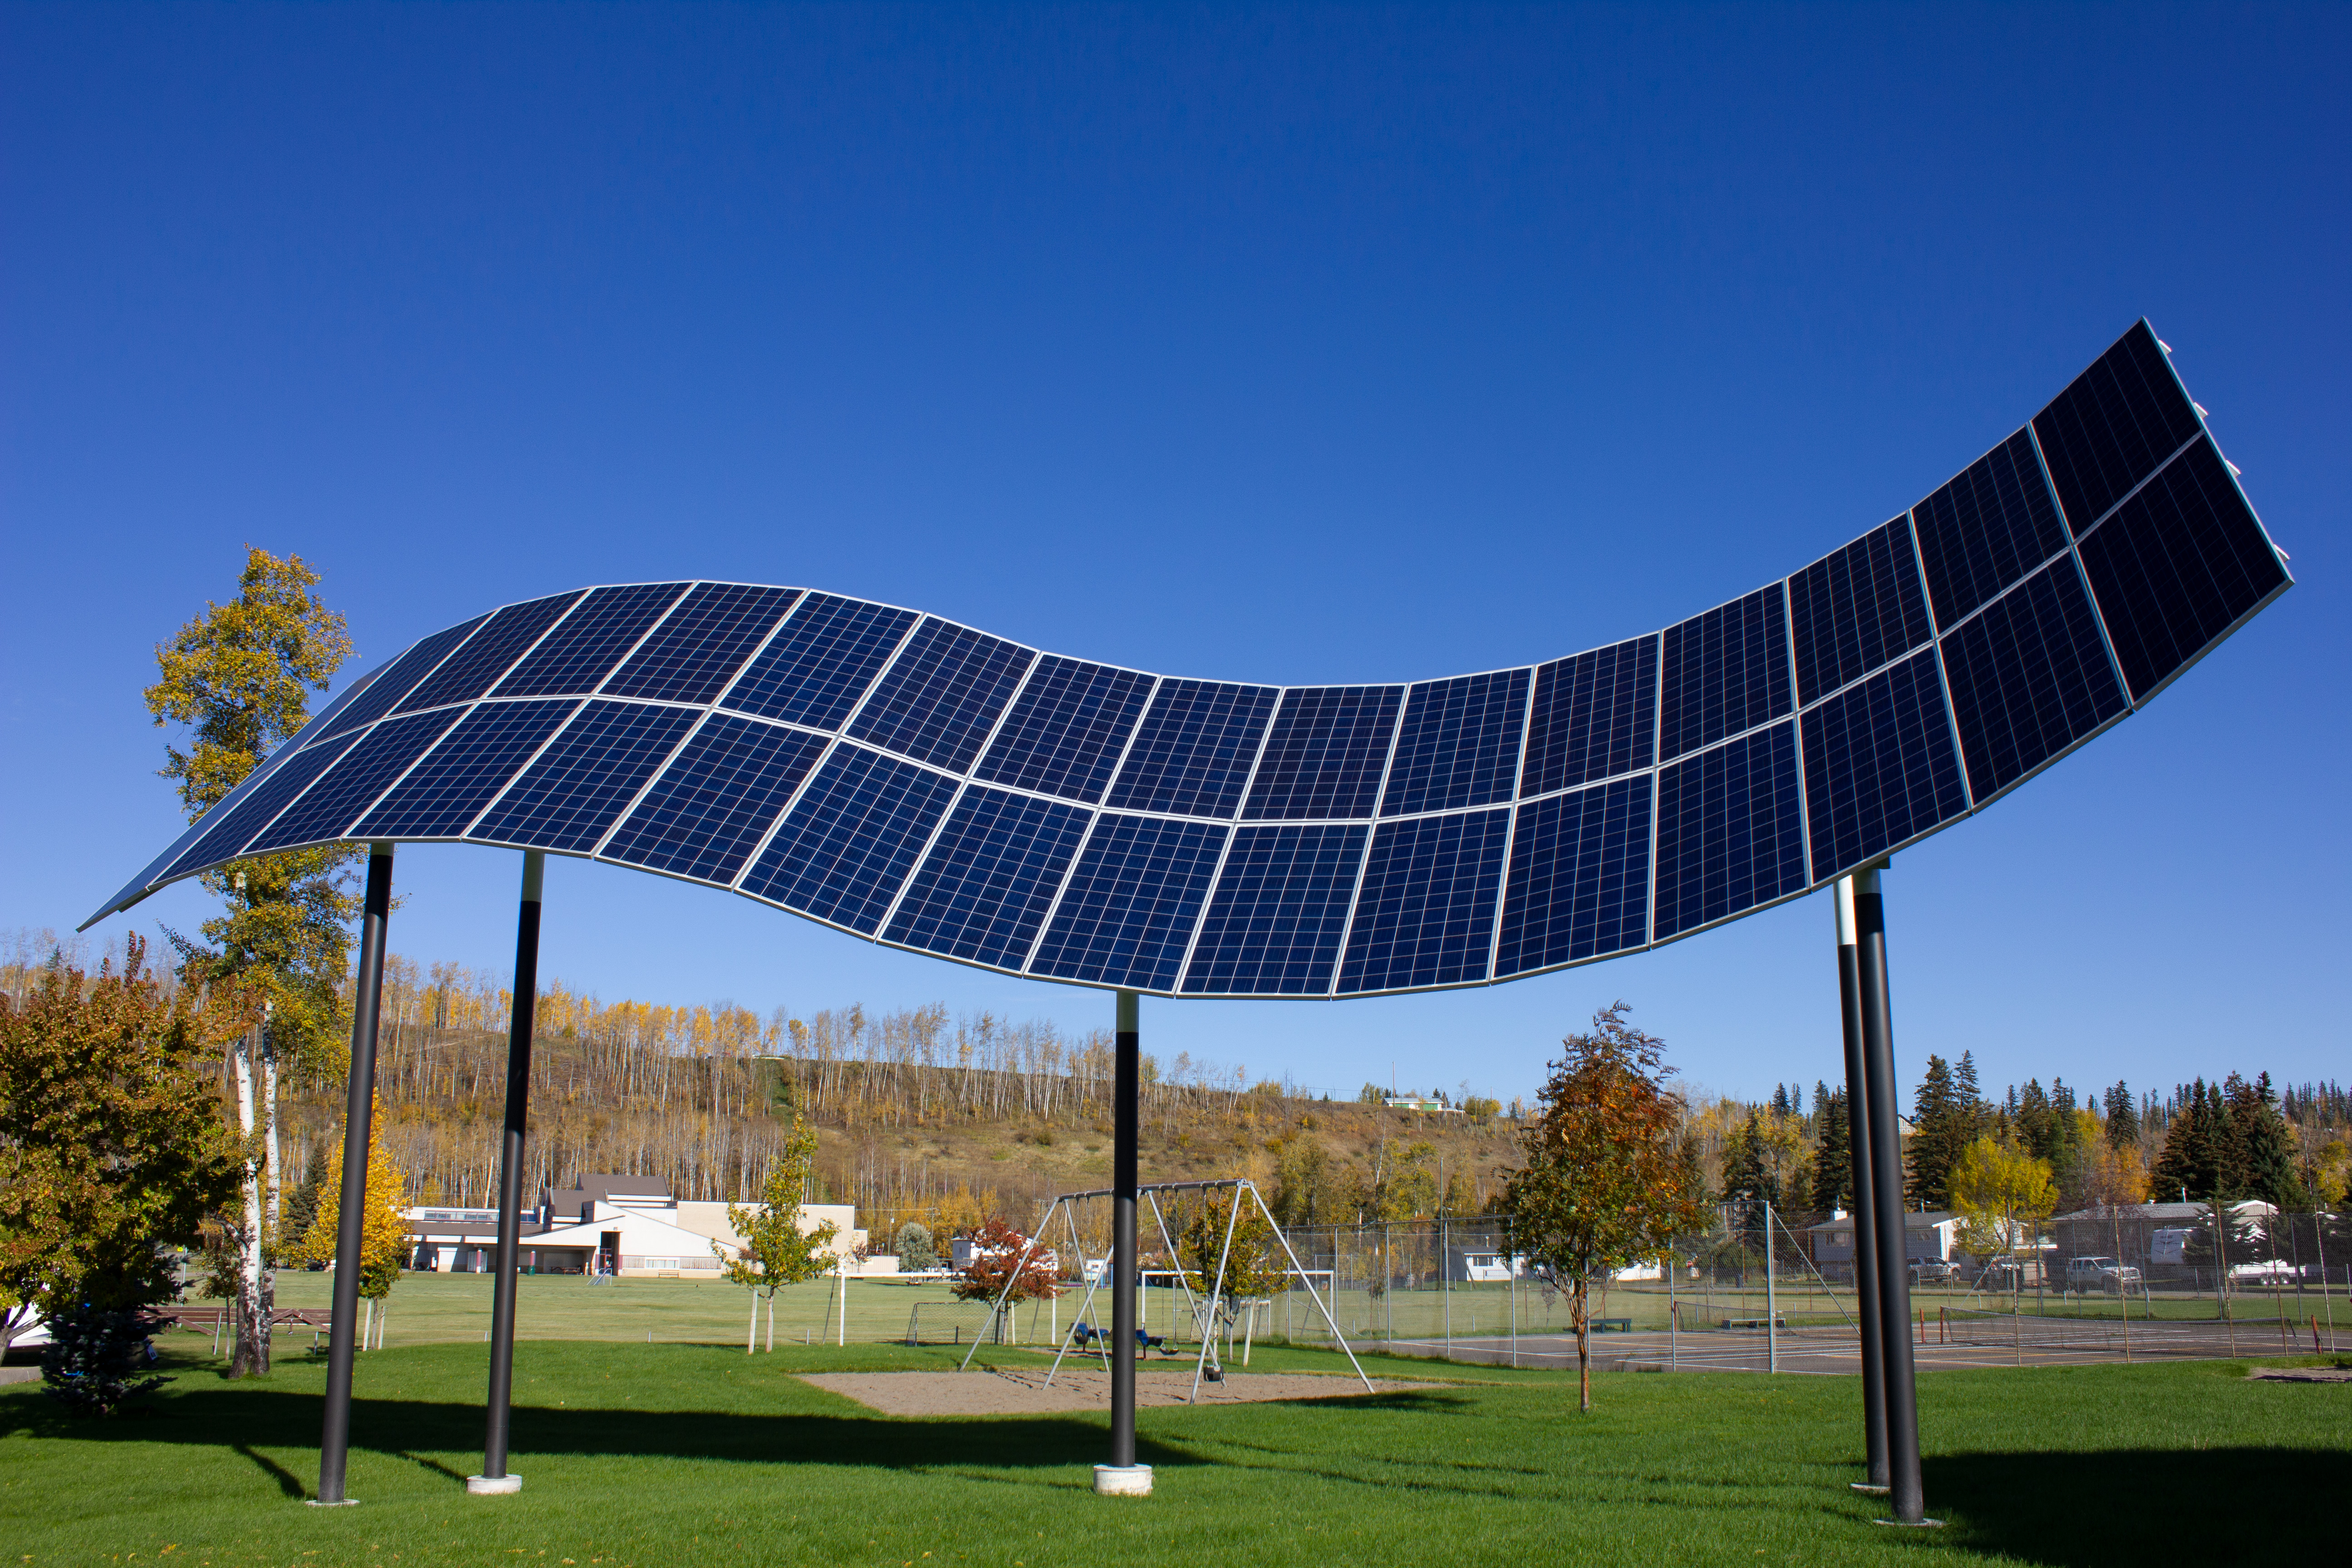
492,1486
338,1502
1867,1487
1916,1524
1122,1481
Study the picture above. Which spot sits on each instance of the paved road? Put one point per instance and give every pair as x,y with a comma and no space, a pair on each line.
1977,1342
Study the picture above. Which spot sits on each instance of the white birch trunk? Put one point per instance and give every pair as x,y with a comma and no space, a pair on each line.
249,1353
277,1190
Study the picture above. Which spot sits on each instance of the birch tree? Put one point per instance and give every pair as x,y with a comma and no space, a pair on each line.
776,1251
239,678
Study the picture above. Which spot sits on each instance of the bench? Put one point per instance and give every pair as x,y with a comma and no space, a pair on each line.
1781,1322
1610,1325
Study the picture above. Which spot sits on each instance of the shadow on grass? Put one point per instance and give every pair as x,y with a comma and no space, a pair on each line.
414,1430
2137,1506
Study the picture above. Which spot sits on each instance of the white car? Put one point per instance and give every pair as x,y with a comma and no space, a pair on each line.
2101,1274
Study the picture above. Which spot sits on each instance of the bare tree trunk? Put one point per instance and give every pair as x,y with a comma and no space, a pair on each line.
751,1334
1580,1313
271,1166
248,1354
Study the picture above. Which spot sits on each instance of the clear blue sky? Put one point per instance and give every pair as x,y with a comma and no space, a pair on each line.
1285,345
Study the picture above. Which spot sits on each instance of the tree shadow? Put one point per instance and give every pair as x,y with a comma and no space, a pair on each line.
2135,1506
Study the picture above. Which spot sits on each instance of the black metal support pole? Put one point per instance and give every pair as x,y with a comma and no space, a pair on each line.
343,1335
1127,1118
1887,1202
494,1478
1865,1218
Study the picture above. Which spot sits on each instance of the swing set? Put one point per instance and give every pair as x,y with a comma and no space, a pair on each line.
1087,1333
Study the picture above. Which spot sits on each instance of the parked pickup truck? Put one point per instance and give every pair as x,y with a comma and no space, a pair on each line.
2101,1274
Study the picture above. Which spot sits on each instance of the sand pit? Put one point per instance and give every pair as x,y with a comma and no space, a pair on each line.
1021,1391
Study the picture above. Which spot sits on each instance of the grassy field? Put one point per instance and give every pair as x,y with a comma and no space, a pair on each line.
636,1455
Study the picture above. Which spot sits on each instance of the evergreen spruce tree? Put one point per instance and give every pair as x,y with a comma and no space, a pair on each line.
2123,1117
1945,1118
1832,1153
2262,1150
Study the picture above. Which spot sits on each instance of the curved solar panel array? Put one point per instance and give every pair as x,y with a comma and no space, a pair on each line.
925,784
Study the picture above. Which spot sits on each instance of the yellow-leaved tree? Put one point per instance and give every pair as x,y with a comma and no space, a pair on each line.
240,677
384,1223
2002,1194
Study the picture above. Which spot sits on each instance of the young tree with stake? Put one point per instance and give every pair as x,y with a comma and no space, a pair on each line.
776,1251
1608,1178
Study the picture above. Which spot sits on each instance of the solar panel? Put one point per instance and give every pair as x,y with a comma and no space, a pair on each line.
395,680
1988,527
703,642
1325,752
491,653
441,798
2177,568
585,778
984,888
577,655
1730,831
230,826
1273,923
1852,611
842,852
814,670
1129,907
2029,677
1595,716
1192,752
929,786
1425,915
2114,427
1065,735
1879,766
1578,886
1459,745
328,809
713,804
1726,671
940,699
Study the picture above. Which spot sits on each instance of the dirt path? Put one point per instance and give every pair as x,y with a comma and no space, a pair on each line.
1021,1391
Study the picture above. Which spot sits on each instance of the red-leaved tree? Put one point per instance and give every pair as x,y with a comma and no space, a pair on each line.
996,1249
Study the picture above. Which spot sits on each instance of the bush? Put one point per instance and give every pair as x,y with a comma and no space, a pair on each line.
916,1250
95,1358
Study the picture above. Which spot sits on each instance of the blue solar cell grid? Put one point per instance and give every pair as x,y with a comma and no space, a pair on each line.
1726,671
230,826
940,700
1987,529
577,655
711,805
1426,913
1324,754
2114,427
1580,878
443,794
1275,921
397,680
1193,753
1130,906
586,777
328,809
1460,744
2176,566
2029,678
1879,766
1064,736
821,663
692,655
1851,612
489,653
850,841
985,886
1595,717
1730,831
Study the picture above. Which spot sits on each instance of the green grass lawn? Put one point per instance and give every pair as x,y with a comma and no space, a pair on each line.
636,1455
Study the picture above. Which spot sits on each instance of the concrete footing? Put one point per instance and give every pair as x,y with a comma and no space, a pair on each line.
492,1486
1122,1481
345,1502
